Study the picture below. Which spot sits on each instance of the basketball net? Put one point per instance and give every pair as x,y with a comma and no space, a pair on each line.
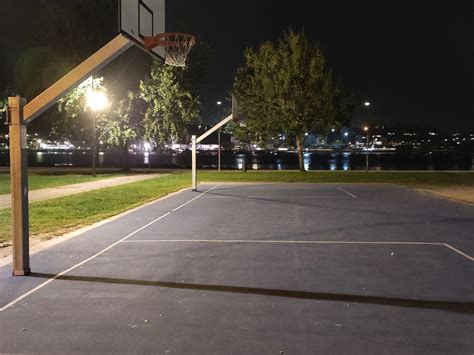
177,46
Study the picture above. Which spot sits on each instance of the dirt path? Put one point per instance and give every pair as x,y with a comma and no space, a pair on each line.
60,191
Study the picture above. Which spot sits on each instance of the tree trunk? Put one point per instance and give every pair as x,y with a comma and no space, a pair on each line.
125,166
299,145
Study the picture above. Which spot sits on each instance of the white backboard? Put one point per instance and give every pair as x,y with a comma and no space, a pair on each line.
140,18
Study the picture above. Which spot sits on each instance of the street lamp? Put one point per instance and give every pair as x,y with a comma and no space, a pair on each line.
96,101
366,129
367,104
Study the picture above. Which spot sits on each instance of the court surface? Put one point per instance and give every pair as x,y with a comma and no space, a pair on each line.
256,269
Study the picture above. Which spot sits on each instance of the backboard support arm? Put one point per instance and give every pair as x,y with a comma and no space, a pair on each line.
20,115
94,63
200,139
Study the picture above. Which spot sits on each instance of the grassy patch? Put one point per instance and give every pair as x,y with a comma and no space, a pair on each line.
60,215
414,179
43,181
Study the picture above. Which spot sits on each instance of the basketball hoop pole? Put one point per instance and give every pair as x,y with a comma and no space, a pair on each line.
19,186
20,115
195,140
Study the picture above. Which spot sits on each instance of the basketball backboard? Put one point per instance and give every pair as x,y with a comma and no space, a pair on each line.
142,18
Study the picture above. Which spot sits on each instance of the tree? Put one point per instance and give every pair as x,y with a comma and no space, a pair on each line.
64,34
76,122
287,88
123,125
3,113
171,103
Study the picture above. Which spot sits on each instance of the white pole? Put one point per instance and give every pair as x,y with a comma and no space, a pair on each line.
194,170
219,150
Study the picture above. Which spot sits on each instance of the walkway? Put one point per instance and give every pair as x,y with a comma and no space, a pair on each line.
60,191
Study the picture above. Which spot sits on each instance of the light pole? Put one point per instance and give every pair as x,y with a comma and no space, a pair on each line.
366,129
219,103
96,101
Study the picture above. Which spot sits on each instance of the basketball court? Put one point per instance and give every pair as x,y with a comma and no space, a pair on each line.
255,268
238,268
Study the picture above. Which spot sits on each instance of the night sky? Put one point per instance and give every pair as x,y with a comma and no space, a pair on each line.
413,60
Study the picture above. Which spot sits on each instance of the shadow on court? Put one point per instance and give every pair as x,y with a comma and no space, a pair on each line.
458,307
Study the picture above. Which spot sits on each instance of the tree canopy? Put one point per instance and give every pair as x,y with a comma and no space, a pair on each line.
171,103
76,122
286,87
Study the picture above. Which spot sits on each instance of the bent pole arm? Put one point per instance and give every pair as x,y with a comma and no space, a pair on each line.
95,62
215,128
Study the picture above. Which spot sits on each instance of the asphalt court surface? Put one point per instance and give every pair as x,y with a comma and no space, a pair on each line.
256,268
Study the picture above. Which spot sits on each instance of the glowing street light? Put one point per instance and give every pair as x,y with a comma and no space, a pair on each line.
96,100
367,104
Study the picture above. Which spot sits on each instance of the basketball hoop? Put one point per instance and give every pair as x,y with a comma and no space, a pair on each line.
177,46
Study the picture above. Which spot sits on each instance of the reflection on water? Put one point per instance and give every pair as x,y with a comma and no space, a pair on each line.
146,159
259,160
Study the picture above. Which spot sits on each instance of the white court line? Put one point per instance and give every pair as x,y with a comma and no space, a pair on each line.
203,193
347,192
276,197
458,251
39,287
234,241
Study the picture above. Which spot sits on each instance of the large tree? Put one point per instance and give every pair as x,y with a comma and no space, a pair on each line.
123,124
75,122
286,87
171,103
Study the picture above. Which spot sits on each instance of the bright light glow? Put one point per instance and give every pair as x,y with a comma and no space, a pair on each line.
147,146
367,104
96,100
219,103
346,134
333,130
366,128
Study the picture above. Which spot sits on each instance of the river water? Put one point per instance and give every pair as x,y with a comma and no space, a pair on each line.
327,160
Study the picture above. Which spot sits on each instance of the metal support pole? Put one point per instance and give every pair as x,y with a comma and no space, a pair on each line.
219,150
19,186
367,155
194,169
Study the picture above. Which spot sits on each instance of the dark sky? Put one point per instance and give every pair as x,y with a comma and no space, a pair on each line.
413,60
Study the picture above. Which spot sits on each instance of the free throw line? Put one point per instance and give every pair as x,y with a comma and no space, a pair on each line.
40,286
237,241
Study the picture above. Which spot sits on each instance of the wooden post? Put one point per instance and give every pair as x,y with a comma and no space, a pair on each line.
19,186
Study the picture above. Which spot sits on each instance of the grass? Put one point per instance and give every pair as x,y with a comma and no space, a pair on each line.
60,215
36,181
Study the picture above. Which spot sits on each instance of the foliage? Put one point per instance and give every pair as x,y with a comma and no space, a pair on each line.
122,125
76,122
286,88
64,34
3,104
37,68
171,103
